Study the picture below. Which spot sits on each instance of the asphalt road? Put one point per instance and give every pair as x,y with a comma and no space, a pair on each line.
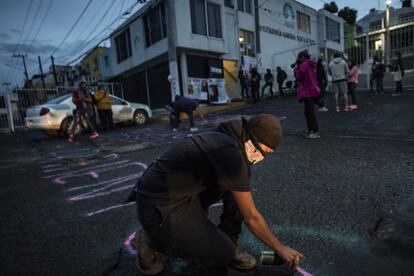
344,200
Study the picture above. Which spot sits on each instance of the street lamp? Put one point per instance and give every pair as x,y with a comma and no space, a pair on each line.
387,32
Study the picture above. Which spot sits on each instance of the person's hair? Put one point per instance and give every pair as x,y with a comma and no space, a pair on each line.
353,63
83,82
278,68
100,87
268,70
337,55
304,54
398,54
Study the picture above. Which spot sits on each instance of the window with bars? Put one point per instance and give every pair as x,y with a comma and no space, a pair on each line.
332,30
247,47
123,45
155,25
376,25
406,18
214,20
303,22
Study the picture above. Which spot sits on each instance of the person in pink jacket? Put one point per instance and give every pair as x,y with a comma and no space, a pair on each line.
352,85
308,90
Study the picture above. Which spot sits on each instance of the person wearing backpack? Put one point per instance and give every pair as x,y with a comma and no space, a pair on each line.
268,82
243,83
280,77
255,84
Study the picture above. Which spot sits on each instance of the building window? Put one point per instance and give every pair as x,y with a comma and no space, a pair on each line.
246,40
376,25
244,6
303,21
123,46
155,25
206,18
406,18
198,17
228,3
214,20
332,30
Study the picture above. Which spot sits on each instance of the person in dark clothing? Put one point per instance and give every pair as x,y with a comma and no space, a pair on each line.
379,76
83,101
255,84
243,83
188,106
398,74
281,76
372,77
323,82
268,82
174,194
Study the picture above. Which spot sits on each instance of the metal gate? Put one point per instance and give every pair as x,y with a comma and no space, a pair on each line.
13,104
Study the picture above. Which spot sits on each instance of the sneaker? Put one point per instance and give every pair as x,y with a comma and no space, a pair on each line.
243,260
175,130
94,135
394,94
70,138
148,259
322,109
346,108
337,109
193,129
313,135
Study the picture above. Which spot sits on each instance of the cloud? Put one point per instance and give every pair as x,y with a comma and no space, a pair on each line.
15,31
34,49
4,36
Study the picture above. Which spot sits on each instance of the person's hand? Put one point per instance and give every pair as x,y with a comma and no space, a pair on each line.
291,257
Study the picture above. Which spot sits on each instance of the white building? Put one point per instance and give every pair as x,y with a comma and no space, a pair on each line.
213,38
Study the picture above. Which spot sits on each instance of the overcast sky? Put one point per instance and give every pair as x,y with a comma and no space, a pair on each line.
38,27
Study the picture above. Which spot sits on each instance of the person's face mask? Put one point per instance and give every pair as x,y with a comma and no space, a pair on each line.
253,154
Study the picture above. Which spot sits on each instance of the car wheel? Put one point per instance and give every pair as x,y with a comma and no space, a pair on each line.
66,126
140,117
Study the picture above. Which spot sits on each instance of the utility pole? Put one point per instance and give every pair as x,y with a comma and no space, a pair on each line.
387,34
41,73
24,64
54,70
172,47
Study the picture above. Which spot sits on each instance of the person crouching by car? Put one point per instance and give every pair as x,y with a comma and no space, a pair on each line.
104,104
84,110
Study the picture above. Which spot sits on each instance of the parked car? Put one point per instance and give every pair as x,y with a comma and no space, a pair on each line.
55,117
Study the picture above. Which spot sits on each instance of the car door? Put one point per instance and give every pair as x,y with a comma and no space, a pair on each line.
121,110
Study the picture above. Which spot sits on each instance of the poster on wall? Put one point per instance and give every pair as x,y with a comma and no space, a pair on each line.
249,62
217,91
197,88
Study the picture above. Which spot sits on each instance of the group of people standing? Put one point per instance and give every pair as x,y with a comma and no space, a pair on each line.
85,103
251,81
378,71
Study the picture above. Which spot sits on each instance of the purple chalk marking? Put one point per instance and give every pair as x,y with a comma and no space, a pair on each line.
128,177
128,245
94,174
111,156
109,208
51,166
303,272
93,193
54,169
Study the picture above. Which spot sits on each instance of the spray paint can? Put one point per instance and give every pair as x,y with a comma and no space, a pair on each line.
271,258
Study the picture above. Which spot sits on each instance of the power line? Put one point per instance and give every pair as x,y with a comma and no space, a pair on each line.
73,27
31,26
40,26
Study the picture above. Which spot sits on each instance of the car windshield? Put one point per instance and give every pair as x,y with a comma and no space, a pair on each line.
59,100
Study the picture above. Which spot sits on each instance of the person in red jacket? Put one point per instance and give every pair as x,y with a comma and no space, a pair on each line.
308,90
84,110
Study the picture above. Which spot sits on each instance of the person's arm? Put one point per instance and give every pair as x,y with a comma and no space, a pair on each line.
299,72
99,95
200,115
258,226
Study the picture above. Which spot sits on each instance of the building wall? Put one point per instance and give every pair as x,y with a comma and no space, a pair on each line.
91,63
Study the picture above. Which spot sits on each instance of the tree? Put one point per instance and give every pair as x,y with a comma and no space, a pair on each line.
349,15
331,7
407,4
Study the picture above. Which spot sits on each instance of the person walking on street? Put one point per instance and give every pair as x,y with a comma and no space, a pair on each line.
379,76
308,90
104,104
352,85
372,79
188,106
268,82
255,84
323,82
82,99
398,74
339,70
243,83
173,196
281,76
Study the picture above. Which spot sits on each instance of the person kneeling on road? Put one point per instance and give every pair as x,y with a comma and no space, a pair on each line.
174,194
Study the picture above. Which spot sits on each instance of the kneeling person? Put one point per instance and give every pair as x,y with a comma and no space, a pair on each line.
177,189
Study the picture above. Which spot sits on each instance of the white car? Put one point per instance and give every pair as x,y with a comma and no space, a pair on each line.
55,117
